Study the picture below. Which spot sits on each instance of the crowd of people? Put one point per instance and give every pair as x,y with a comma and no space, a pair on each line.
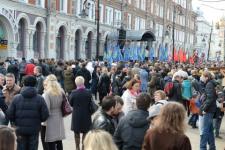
142,105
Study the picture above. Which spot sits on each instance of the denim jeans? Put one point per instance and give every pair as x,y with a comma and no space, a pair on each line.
27,142
206,132
193,119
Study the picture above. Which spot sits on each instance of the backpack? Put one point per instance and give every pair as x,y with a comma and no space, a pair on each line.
168,89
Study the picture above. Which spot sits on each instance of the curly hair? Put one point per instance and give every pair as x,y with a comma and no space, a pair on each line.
52,86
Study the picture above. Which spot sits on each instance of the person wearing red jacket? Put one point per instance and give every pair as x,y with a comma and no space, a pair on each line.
29,69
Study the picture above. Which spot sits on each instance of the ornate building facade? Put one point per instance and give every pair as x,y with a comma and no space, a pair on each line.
56,29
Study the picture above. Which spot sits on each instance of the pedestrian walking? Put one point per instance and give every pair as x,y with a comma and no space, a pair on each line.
129,96
54,129
129,134
207,111
26,112
104,84
40,79
168,132
80,100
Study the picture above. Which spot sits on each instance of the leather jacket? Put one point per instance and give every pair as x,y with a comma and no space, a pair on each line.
103,121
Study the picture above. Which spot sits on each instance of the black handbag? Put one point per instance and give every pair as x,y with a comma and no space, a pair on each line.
66,107
93,107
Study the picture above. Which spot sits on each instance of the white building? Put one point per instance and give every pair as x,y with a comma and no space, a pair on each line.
204,29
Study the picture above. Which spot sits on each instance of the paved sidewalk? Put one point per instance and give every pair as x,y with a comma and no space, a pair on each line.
193,134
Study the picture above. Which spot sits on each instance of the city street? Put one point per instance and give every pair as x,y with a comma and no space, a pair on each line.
193,134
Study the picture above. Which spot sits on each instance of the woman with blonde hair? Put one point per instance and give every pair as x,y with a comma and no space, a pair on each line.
99,140
53,95
7,138
168,131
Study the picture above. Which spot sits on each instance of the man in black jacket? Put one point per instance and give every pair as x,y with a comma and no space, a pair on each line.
27,111
40,79
85,74
207,109
130,132
104,118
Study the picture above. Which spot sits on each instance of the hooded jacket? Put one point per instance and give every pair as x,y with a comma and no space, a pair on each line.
131,130
27,111
209,105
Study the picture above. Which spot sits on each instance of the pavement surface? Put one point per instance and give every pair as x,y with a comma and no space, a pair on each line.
193,134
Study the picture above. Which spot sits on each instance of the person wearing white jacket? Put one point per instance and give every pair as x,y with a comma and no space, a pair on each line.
129,96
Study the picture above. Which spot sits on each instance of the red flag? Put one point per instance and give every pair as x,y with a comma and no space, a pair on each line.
181,55
184,57
175,55
191,60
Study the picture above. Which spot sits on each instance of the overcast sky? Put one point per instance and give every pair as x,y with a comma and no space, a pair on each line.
210,13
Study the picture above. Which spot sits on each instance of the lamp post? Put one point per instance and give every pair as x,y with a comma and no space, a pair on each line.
98,31
97,18
175,9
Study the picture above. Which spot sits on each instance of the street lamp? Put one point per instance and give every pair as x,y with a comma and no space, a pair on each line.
176,10
84,14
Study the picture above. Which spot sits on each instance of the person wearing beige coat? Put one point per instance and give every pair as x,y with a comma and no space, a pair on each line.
55,131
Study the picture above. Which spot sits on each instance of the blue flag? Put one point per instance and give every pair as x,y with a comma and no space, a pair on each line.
166,54
126,53
161,53
151,54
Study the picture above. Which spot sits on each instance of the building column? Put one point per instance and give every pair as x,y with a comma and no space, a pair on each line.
43,41
93,48
29,44
82,47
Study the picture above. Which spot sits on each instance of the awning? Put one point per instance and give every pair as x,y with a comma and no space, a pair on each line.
135,35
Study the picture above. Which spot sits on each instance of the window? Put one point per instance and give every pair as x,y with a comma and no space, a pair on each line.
40,3
138,3
152,7
79,7
143,4
137,23
109,16
161,12
168,14
63,6
160,28
24,1
101,13
91,11
151,24
117,20
142,23
129,21
157,9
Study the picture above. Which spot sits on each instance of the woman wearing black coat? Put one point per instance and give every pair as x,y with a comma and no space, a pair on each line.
95,80
104,84
80,100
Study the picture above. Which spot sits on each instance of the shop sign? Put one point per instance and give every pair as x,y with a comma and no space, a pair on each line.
3,44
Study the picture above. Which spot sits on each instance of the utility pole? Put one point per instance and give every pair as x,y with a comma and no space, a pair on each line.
210,38
98,28
173,36
224,43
